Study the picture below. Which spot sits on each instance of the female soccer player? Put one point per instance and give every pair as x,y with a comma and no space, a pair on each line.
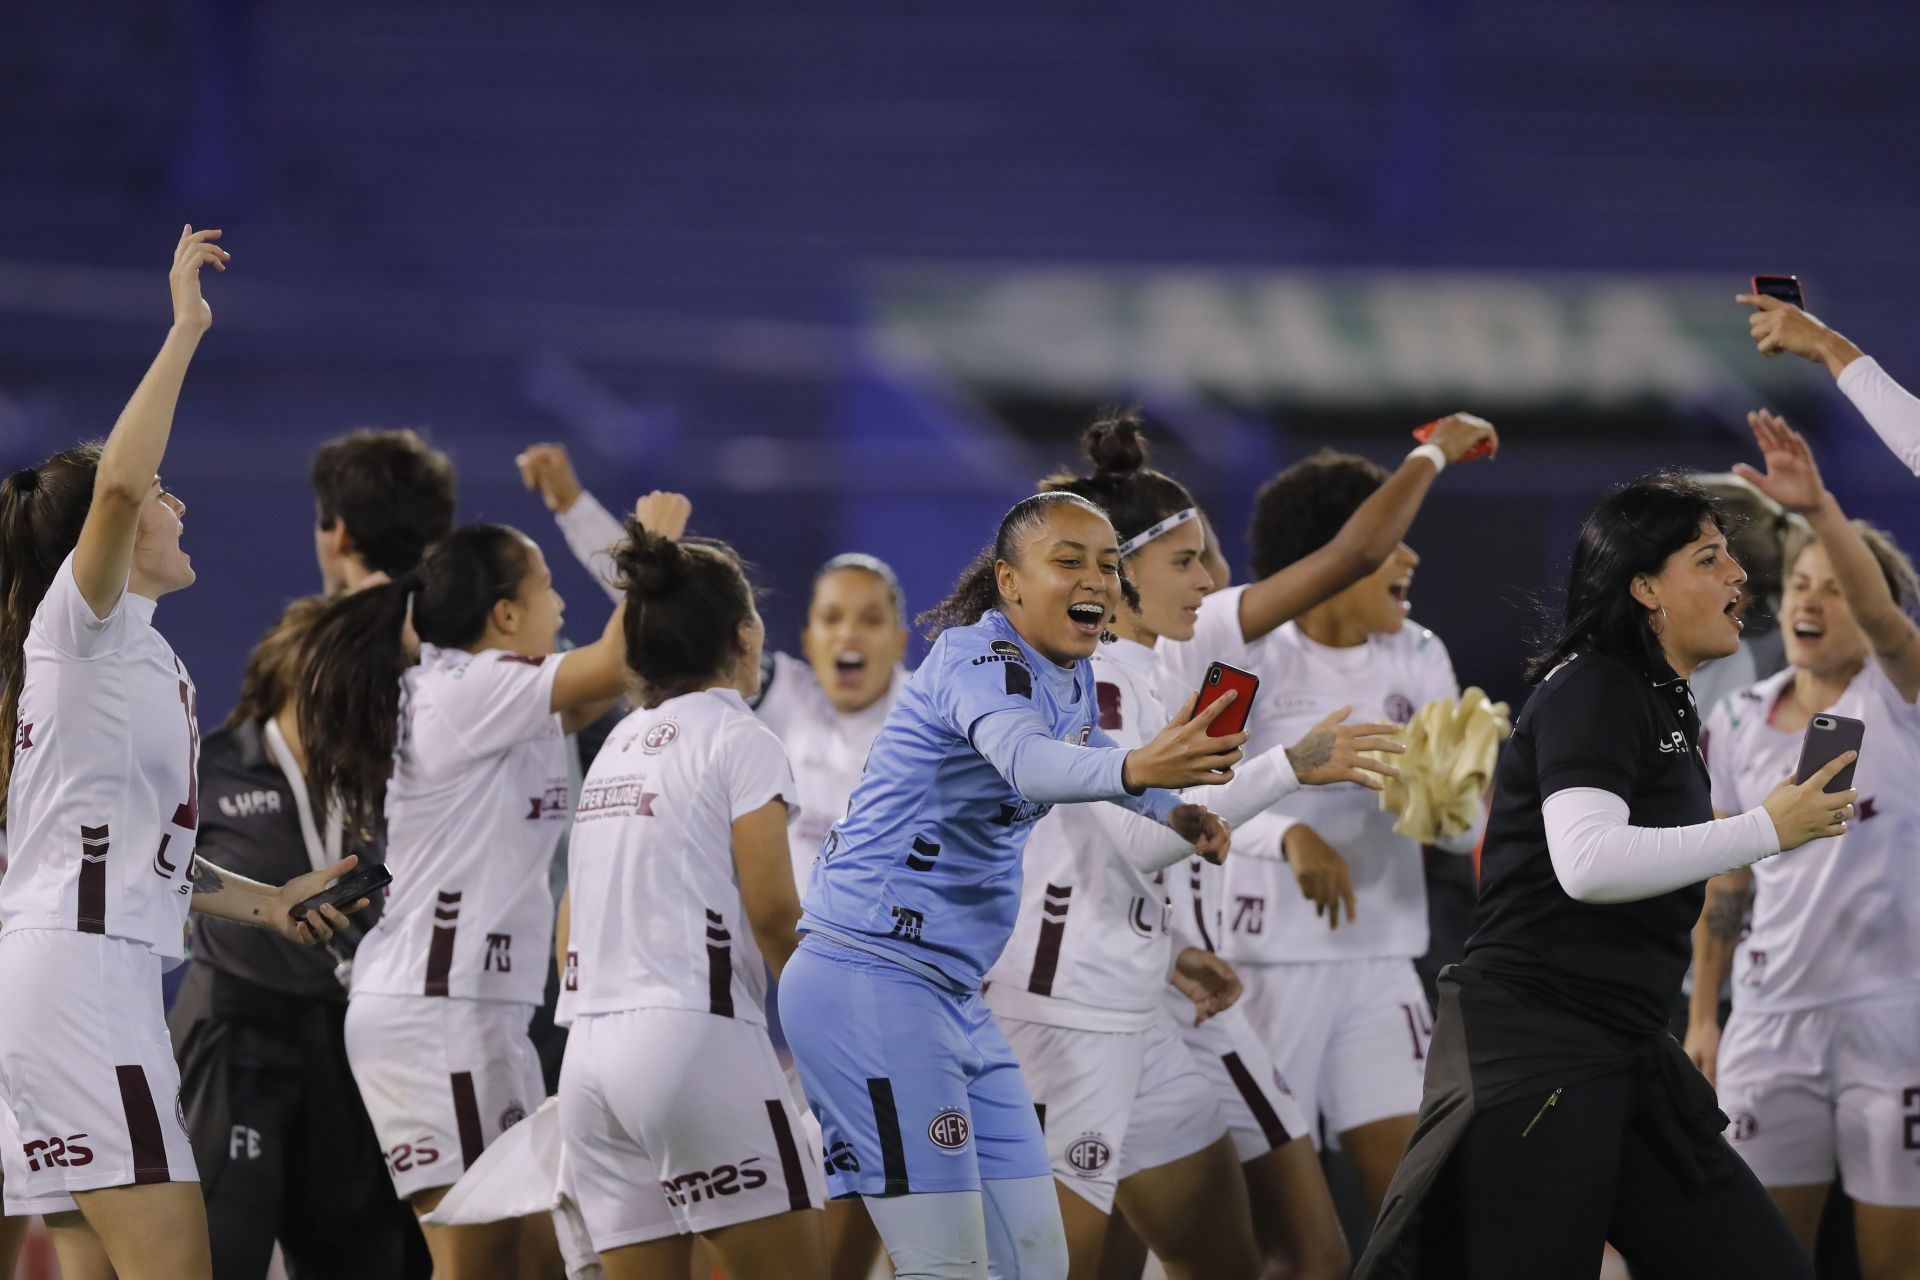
1339,1001
678,1118
918,1093
1820,1061
99,751
465,753
1124,1103
1558,1114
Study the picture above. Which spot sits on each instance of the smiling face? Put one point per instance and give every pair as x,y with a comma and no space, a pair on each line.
1815,621
1172,577
1694,600
853,638
1064,583
530,623
159,565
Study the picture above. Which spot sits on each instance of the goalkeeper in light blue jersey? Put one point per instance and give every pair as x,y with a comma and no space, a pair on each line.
919,1097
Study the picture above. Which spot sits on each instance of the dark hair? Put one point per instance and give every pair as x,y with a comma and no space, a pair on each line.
1632,531
1300,510
356,653
42,510
977,589
686,602
273,668
865,563
394,490
1134,495
1758,533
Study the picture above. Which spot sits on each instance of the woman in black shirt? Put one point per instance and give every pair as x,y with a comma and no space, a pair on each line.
1558,1113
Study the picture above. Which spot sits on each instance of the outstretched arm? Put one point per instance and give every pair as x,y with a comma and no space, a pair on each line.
590,529
230,897
130,462
1889,408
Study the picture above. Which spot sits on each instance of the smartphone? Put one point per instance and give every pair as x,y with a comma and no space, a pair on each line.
1827,737
1424,432
361,882
1220,678
1785,288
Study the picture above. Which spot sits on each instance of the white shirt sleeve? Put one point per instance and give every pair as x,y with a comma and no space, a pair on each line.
592,532
1262,835
1150,846
65,620
1889,408
499,700
757,771
1718,745
1599,858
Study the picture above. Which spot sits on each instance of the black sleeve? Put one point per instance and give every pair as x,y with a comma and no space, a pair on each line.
1591,728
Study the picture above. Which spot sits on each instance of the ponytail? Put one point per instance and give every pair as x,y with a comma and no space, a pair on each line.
42,510
354,657
978,587
686,602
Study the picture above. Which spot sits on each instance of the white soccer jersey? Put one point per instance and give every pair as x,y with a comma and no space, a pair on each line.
1840,918
657,917
1266,919
1091,945
474,808
105,795
828,750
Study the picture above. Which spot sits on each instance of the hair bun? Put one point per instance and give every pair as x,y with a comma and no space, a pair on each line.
648,562
25,480
1115,445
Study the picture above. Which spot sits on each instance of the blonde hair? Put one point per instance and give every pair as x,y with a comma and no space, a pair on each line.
273,668
1895,567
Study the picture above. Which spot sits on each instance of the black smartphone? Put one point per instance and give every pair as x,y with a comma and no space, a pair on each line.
1827,737
1785,288
361,882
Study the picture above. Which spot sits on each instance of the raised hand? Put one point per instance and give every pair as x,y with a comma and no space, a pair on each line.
664,513
1205,979
195,250
1182,755
546,469
1320,872
1332,751
1806,811
1459,434
1202,828
1792,478
1779,326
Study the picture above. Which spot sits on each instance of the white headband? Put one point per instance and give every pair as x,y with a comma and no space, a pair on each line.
1168,525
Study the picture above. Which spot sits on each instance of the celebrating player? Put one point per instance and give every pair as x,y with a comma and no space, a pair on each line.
100,754
1817,1067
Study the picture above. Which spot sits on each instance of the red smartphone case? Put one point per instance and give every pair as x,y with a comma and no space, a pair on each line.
1424,432
1220,678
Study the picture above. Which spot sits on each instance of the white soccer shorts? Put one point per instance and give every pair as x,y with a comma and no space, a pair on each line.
1260,1110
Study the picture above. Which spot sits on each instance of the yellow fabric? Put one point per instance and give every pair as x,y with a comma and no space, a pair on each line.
1451,747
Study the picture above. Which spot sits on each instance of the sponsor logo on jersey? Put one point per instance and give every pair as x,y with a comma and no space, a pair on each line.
842,1156
1673,743
949,1131
417,1154
1008,649
1741,1126
617,797
1013,815
550,803
22,738
658,739
248,804
1398,708
907,924
1089,1154
243,1143
70,1152
711,1184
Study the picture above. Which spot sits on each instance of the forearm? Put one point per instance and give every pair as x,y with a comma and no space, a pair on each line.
592,532
138,443
1047,771
1861,582
1599,858
227,896
778,939
1714,939
1362,545
1889,408
1257,786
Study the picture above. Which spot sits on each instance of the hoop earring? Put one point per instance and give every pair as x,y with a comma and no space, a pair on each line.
1662,628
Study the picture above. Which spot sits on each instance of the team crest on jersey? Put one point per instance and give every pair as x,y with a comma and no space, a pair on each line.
1398,708
949,1131
1741,1126
1089,1154
660,737
512,1116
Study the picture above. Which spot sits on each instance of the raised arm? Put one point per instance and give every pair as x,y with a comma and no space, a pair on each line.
1792,479
1889,408
590,529
130,462
1366,539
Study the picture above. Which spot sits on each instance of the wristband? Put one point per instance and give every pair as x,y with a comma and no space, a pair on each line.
1432,453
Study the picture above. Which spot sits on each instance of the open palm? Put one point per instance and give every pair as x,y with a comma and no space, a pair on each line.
1792,478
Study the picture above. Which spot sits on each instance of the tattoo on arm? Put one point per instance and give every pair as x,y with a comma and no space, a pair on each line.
206,877
1727,913
1311,752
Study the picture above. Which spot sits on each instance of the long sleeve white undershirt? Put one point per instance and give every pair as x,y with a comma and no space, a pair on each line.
1598,857
592,532
1149,846
1889,408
